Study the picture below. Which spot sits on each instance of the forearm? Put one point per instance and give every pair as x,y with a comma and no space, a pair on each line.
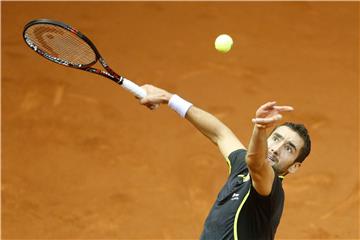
207,124
257,149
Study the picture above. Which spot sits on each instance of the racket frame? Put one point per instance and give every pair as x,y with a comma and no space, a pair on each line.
109,73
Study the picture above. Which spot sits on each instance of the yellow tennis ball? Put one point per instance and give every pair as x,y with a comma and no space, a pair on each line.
223,43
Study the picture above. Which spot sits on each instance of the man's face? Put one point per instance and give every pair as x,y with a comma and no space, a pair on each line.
284,146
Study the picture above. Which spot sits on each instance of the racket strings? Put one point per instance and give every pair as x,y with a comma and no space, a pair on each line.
61,44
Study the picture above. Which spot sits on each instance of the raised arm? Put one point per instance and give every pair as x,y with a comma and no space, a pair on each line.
260,169
205,122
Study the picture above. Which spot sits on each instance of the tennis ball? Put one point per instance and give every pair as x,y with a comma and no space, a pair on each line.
223,43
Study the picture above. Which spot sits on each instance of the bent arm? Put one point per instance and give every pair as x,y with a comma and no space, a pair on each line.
262,174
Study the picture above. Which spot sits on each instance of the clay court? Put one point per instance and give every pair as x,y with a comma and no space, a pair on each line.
81,159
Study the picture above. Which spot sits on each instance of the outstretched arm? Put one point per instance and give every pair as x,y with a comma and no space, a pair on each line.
261,172
205,122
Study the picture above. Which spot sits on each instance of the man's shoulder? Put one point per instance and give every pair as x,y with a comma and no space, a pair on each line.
236,161
238,153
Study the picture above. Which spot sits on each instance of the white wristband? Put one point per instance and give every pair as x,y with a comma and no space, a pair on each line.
179,105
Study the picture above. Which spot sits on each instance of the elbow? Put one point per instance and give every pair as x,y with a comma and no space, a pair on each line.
249,159
253,161
218,135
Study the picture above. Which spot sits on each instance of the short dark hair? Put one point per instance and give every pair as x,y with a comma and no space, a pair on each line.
304,134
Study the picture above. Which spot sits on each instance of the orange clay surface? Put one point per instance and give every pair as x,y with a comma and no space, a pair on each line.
81,159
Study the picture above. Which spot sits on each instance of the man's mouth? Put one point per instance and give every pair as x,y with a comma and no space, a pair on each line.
272,159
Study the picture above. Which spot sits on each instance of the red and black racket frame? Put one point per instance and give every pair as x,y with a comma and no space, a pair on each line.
110,74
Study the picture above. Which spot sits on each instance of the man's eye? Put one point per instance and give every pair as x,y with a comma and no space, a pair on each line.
289,149
275,138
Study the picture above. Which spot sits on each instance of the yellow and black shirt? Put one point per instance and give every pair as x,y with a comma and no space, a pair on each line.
239,212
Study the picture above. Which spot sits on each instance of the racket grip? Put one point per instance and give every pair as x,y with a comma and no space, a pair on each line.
133,88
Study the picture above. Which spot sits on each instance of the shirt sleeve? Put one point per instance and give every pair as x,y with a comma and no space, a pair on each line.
236,161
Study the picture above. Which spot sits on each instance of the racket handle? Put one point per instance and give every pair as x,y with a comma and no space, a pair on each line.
133,88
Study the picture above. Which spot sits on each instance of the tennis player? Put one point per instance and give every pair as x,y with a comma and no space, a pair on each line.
250,204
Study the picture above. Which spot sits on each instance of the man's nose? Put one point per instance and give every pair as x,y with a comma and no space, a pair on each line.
275,149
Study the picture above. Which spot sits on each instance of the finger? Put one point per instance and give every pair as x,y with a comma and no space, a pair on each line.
144,100
146,88
261,126
284,108
267,120
268,105
153,106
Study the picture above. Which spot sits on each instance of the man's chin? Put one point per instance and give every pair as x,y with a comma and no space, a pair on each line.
277,170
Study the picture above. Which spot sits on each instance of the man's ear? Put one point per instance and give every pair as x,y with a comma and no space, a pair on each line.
293,168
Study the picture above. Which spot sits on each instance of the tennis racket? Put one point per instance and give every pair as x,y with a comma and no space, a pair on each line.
63,44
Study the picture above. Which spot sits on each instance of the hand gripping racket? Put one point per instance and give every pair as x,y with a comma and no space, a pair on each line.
62,44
